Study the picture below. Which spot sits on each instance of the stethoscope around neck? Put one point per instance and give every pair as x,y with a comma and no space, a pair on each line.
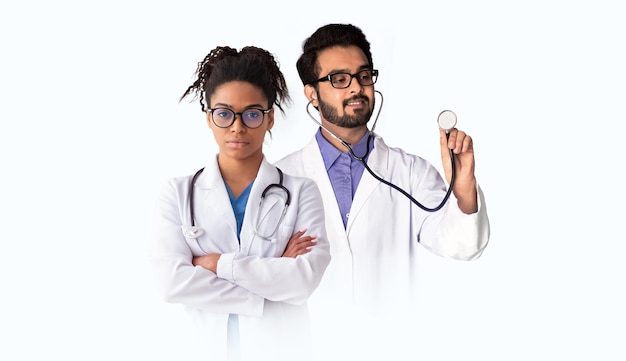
446,121
194,231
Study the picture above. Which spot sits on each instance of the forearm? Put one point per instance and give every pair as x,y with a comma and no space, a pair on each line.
182,283
466,194
284,279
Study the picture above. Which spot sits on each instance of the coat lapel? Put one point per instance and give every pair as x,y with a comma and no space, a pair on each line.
378,162
267,175
213,195
314,168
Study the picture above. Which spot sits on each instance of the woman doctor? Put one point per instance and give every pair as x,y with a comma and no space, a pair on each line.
241,245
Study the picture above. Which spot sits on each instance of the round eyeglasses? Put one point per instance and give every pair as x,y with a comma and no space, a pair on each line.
343,80
251,118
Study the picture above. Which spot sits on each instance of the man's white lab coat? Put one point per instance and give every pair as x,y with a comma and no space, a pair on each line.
373,266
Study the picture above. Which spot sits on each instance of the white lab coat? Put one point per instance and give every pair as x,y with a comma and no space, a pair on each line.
267,291
373,267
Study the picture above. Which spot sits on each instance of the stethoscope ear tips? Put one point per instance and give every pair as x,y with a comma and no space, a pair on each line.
446,120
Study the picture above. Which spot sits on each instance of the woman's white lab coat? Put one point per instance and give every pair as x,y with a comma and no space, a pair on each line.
267,291
373,263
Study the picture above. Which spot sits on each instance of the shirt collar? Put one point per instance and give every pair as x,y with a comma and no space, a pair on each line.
330,153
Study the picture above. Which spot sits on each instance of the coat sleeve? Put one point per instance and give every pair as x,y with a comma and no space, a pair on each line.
285,279
177,279
456,235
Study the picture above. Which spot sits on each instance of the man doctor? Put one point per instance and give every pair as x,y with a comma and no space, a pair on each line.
374,230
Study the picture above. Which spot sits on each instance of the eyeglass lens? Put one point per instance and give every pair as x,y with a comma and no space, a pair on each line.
343,80
224,117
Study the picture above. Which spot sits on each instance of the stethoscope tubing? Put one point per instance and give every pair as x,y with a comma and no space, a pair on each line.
363,160
191,205
406,194
263,194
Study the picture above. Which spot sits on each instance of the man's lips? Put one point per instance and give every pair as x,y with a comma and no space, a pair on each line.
356,102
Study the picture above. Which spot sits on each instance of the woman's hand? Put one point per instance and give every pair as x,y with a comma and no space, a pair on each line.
299,244
209,261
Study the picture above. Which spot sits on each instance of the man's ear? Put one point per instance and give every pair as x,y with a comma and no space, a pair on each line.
310,93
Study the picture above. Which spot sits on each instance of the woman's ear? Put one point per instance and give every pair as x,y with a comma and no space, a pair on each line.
270,120
208,118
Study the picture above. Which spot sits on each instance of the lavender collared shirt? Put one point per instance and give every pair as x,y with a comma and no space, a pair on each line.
343,170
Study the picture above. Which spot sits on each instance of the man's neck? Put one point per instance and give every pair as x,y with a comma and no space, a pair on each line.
349,135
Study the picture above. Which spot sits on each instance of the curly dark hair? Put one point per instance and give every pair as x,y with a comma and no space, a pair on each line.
325,37
252,64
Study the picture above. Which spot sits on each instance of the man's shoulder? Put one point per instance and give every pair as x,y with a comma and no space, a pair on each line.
291,163
289,158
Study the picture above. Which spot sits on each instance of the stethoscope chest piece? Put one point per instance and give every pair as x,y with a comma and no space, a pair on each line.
446,120
192,231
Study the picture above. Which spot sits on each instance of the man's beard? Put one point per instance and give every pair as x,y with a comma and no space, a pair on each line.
346,121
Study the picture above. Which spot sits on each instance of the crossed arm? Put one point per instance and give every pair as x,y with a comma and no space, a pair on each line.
298,244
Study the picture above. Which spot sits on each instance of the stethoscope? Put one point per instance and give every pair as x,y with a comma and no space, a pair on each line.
194,231
446,121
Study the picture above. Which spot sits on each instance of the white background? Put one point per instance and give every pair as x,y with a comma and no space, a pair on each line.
91,126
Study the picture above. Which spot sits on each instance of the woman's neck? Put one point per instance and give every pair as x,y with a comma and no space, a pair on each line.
238,173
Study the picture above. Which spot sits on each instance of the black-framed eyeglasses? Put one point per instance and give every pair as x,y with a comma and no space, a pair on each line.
224,117
343,80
